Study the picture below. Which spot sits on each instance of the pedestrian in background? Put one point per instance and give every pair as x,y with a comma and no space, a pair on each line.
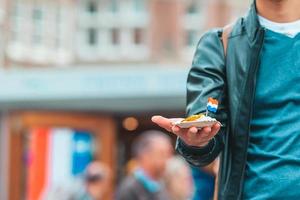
178,179
151,150
96,182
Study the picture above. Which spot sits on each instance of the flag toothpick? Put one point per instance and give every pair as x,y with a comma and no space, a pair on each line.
212,105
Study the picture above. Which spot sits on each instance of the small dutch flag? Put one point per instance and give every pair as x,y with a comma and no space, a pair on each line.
212,105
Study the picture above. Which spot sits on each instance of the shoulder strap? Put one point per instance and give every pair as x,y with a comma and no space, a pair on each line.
215,165
226,32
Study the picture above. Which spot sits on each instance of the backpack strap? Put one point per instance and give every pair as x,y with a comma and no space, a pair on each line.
215,168
225,34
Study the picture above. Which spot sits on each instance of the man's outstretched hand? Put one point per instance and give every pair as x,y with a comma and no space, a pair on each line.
191,136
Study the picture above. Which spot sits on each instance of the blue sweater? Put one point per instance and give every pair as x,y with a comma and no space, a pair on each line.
273,162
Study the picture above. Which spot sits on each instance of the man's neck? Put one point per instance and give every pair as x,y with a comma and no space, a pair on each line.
281,11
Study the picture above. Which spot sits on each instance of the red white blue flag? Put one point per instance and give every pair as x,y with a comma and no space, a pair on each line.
212,105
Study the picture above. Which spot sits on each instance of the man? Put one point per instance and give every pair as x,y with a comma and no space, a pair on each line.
259,97
151,151
96,181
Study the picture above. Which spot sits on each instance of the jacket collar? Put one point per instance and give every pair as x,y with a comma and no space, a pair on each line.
148,183
252,25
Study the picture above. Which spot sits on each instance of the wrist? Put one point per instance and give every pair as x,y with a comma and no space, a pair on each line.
197,149
203,144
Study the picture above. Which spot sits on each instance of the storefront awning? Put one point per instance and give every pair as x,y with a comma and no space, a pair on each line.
113,88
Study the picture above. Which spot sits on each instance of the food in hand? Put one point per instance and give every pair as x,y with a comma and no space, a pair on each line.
193,118
198,121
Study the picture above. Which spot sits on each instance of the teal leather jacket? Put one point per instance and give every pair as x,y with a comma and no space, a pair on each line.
231,81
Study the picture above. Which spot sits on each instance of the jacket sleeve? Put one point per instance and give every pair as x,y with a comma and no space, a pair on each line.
207,78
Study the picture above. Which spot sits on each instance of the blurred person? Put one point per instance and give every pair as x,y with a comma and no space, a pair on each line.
131,166
151,150
61,192
96,182
178,179
254,76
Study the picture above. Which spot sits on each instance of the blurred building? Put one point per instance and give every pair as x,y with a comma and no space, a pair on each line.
2,25
87,75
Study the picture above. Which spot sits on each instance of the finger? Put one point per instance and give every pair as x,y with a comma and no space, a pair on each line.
188,135
205,131
204,134
198,137
192,131
202,137
162,122
178,131
192,134
209,132
215,129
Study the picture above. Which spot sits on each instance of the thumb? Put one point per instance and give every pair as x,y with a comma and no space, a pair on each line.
155,118
162,122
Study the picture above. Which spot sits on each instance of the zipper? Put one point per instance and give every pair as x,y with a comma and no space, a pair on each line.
261,41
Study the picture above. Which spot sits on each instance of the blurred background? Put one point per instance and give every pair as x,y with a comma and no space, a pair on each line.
80,80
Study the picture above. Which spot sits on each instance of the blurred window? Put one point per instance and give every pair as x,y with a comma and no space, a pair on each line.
118,31
16,21
192,9
194,25
58,39
37,14
138,36
115,36
92,36
113,7
195,7
92,7
192,38
37,18
139,5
